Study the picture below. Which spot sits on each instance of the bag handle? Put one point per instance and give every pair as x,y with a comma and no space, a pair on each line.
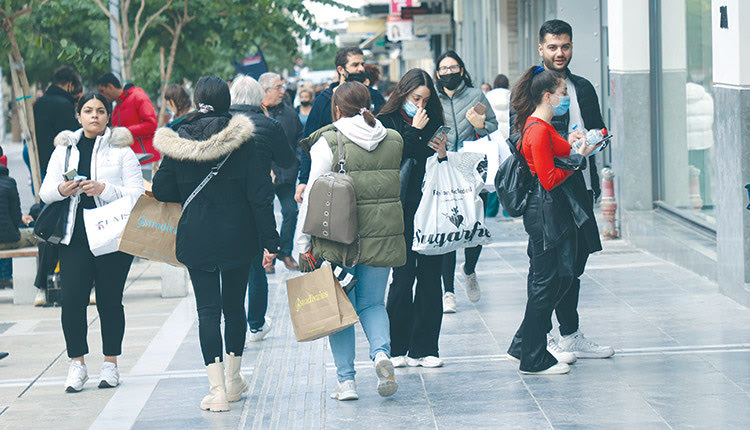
342,155
67,157
214,171
356,259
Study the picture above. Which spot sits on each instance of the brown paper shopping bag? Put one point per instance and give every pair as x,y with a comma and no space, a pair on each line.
318,305
151,232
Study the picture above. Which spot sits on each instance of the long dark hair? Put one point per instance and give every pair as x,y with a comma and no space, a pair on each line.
413,79
528,91
452,54
352,99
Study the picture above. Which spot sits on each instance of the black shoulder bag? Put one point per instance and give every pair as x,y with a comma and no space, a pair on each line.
514,180
52,221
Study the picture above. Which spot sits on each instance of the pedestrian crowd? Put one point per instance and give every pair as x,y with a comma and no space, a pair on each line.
230,149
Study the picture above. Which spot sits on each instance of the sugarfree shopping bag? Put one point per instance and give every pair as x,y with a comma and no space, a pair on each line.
318,305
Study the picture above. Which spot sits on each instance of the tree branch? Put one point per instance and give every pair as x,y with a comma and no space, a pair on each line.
105,10
139,34
138,16
22,12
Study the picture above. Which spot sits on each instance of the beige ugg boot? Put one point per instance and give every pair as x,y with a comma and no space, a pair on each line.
236,382
216,400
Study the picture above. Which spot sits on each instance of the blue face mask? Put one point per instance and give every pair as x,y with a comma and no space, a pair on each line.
561,108
410,108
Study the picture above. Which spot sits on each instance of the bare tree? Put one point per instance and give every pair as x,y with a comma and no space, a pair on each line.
127,47
22,88
178,23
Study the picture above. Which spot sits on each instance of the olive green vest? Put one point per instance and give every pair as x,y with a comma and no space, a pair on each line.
379,213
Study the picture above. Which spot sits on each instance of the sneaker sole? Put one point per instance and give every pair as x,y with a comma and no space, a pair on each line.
387,385
105,384
215,407
593,354
513,359
554,370
72,390
449,311
345,398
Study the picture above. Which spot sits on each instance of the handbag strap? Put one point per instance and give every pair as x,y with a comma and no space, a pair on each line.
67,157
342,155
214,171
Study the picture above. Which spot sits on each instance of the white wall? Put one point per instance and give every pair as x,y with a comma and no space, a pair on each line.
628,35
731,52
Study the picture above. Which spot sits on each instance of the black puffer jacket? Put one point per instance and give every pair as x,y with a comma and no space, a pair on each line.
220,229
266,137
292,128
415,147
10,208
53,112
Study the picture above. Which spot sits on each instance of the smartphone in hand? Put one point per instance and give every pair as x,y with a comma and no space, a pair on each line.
70,174
480,108
440,133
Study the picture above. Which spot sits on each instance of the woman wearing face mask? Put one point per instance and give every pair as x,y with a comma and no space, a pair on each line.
306,96
550,218
458,97
102,155
414,111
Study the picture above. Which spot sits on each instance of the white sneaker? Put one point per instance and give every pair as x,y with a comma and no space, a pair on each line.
472,286
557,369
346,390
449,303
40,299
109,375
399,361
77,376
584,348
428,361
259,334
560,354
92,296
387,385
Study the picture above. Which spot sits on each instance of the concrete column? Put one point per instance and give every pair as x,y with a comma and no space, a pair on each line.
628,22
731,68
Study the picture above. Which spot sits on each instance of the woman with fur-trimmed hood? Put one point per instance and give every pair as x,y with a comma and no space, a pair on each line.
221,228
106,169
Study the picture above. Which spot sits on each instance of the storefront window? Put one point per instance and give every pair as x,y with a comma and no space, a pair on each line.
687,109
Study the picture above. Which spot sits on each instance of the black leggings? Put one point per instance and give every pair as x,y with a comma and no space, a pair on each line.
212,295
471,255
79,271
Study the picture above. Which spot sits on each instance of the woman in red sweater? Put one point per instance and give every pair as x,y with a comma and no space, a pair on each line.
537,97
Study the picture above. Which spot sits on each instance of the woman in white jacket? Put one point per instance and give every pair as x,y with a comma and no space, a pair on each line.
103,156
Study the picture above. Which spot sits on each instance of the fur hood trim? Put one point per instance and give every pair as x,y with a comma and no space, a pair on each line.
118,137
238,131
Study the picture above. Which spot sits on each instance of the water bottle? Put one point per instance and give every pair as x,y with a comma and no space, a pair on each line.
593,137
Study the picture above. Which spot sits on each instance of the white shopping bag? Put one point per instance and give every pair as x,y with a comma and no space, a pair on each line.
493,146
450,215
104,225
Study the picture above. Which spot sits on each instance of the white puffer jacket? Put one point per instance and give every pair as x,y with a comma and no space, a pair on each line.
499,98
113,163
700,117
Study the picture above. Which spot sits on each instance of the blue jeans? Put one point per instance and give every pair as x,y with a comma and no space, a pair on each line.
257,294
289,211
368,299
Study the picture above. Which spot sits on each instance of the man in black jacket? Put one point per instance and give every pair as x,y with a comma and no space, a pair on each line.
556,50
55,111
284,177
247,97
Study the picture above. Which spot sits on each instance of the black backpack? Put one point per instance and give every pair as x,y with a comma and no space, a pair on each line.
514,180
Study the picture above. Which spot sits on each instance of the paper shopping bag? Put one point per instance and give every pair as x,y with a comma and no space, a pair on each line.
151,232
104,225
318,305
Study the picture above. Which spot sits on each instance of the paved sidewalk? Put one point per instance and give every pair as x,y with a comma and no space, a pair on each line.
682,360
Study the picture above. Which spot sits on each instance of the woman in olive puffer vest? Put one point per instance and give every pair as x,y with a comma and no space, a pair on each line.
373,158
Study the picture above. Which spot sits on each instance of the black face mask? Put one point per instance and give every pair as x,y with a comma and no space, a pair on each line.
356,77
451,81
306,103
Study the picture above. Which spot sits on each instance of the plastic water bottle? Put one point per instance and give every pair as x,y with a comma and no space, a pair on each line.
593,137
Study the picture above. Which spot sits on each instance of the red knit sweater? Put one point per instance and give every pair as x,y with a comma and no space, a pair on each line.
541,143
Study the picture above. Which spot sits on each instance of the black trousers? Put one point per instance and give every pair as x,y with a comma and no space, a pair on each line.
415,317
567,310
545,288
217,292
79,271
471,257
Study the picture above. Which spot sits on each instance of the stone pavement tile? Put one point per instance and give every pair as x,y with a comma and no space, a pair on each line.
704,411
617,408
734,365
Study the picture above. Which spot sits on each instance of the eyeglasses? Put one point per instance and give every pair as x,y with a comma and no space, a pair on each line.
278,88
449,69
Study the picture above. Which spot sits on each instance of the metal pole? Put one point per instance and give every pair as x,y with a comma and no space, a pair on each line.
115,60
2,108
